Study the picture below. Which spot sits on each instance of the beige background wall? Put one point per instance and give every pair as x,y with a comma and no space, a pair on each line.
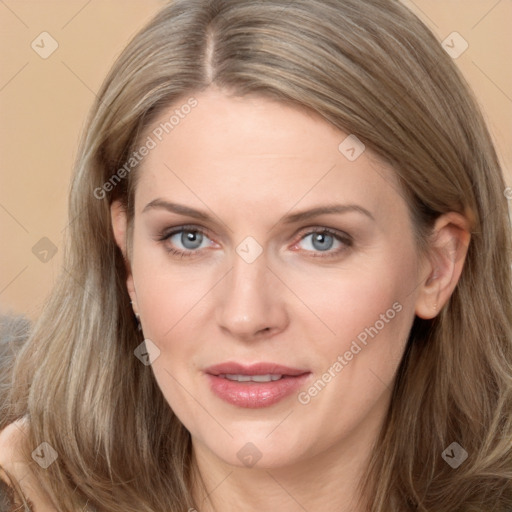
44,102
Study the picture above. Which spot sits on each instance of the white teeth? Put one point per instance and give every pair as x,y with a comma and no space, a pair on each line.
253,378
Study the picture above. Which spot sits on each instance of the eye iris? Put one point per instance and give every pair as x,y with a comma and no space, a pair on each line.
322,241
191,239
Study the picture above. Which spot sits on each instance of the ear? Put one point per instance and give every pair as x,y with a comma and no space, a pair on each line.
444,263
119,226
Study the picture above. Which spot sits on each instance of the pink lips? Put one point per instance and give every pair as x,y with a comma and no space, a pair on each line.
250,394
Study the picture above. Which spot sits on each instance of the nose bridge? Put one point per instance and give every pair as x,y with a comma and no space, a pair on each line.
249,302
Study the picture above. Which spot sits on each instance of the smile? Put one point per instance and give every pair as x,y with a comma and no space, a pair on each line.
255,385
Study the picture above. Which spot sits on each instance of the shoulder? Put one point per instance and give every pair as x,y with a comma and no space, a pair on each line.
19,469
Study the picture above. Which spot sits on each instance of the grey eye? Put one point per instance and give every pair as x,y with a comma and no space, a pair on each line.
189,239
320,242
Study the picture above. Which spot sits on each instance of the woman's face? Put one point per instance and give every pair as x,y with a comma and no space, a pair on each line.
236,261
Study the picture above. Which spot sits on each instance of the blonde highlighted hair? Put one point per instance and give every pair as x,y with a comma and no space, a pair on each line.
370,68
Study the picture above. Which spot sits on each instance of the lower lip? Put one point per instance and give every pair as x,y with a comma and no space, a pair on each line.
255,394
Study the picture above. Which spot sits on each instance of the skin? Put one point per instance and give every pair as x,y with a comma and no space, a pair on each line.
248,162
13,459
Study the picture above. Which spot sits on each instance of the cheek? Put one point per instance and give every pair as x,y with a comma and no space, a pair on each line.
363,316
370,315
167,304
347,302
167,294
168,299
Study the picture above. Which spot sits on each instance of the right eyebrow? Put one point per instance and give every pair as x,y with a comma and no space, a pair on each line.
176,208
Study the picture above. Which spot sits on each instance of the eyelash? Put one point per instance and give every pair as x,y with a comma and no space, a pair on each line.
339,236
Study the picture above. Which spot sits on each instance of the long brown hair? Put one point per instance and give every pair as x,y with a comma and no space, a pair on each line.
370,68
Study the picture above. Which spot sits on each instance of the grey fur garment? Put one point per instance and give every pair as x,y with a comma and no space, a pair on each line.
14,330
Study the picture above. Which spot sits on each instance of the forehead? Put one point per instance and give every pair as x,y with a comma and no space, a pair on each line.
248,151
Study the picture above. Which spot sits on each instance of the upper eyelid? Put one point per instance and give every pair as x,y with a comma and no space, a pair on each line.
167,232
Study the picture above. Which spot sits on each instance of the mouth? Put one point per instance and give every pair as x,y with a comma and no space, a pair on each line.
256,385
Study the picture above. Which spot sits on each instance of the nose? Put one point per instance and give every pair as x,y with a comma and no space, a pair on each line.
251,301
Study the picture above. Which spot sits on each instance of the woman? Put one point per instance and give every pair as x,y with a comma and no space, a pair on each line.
287,277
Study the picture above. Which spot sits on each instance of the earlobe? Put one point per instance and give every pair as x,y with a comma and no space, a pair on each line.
448,250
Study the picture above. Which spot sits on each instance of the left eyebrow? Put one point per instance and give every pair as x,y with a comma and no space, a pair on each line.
323,210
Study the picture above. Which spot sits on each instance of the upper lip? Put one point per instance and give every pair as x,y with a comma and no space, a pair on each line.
233,368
